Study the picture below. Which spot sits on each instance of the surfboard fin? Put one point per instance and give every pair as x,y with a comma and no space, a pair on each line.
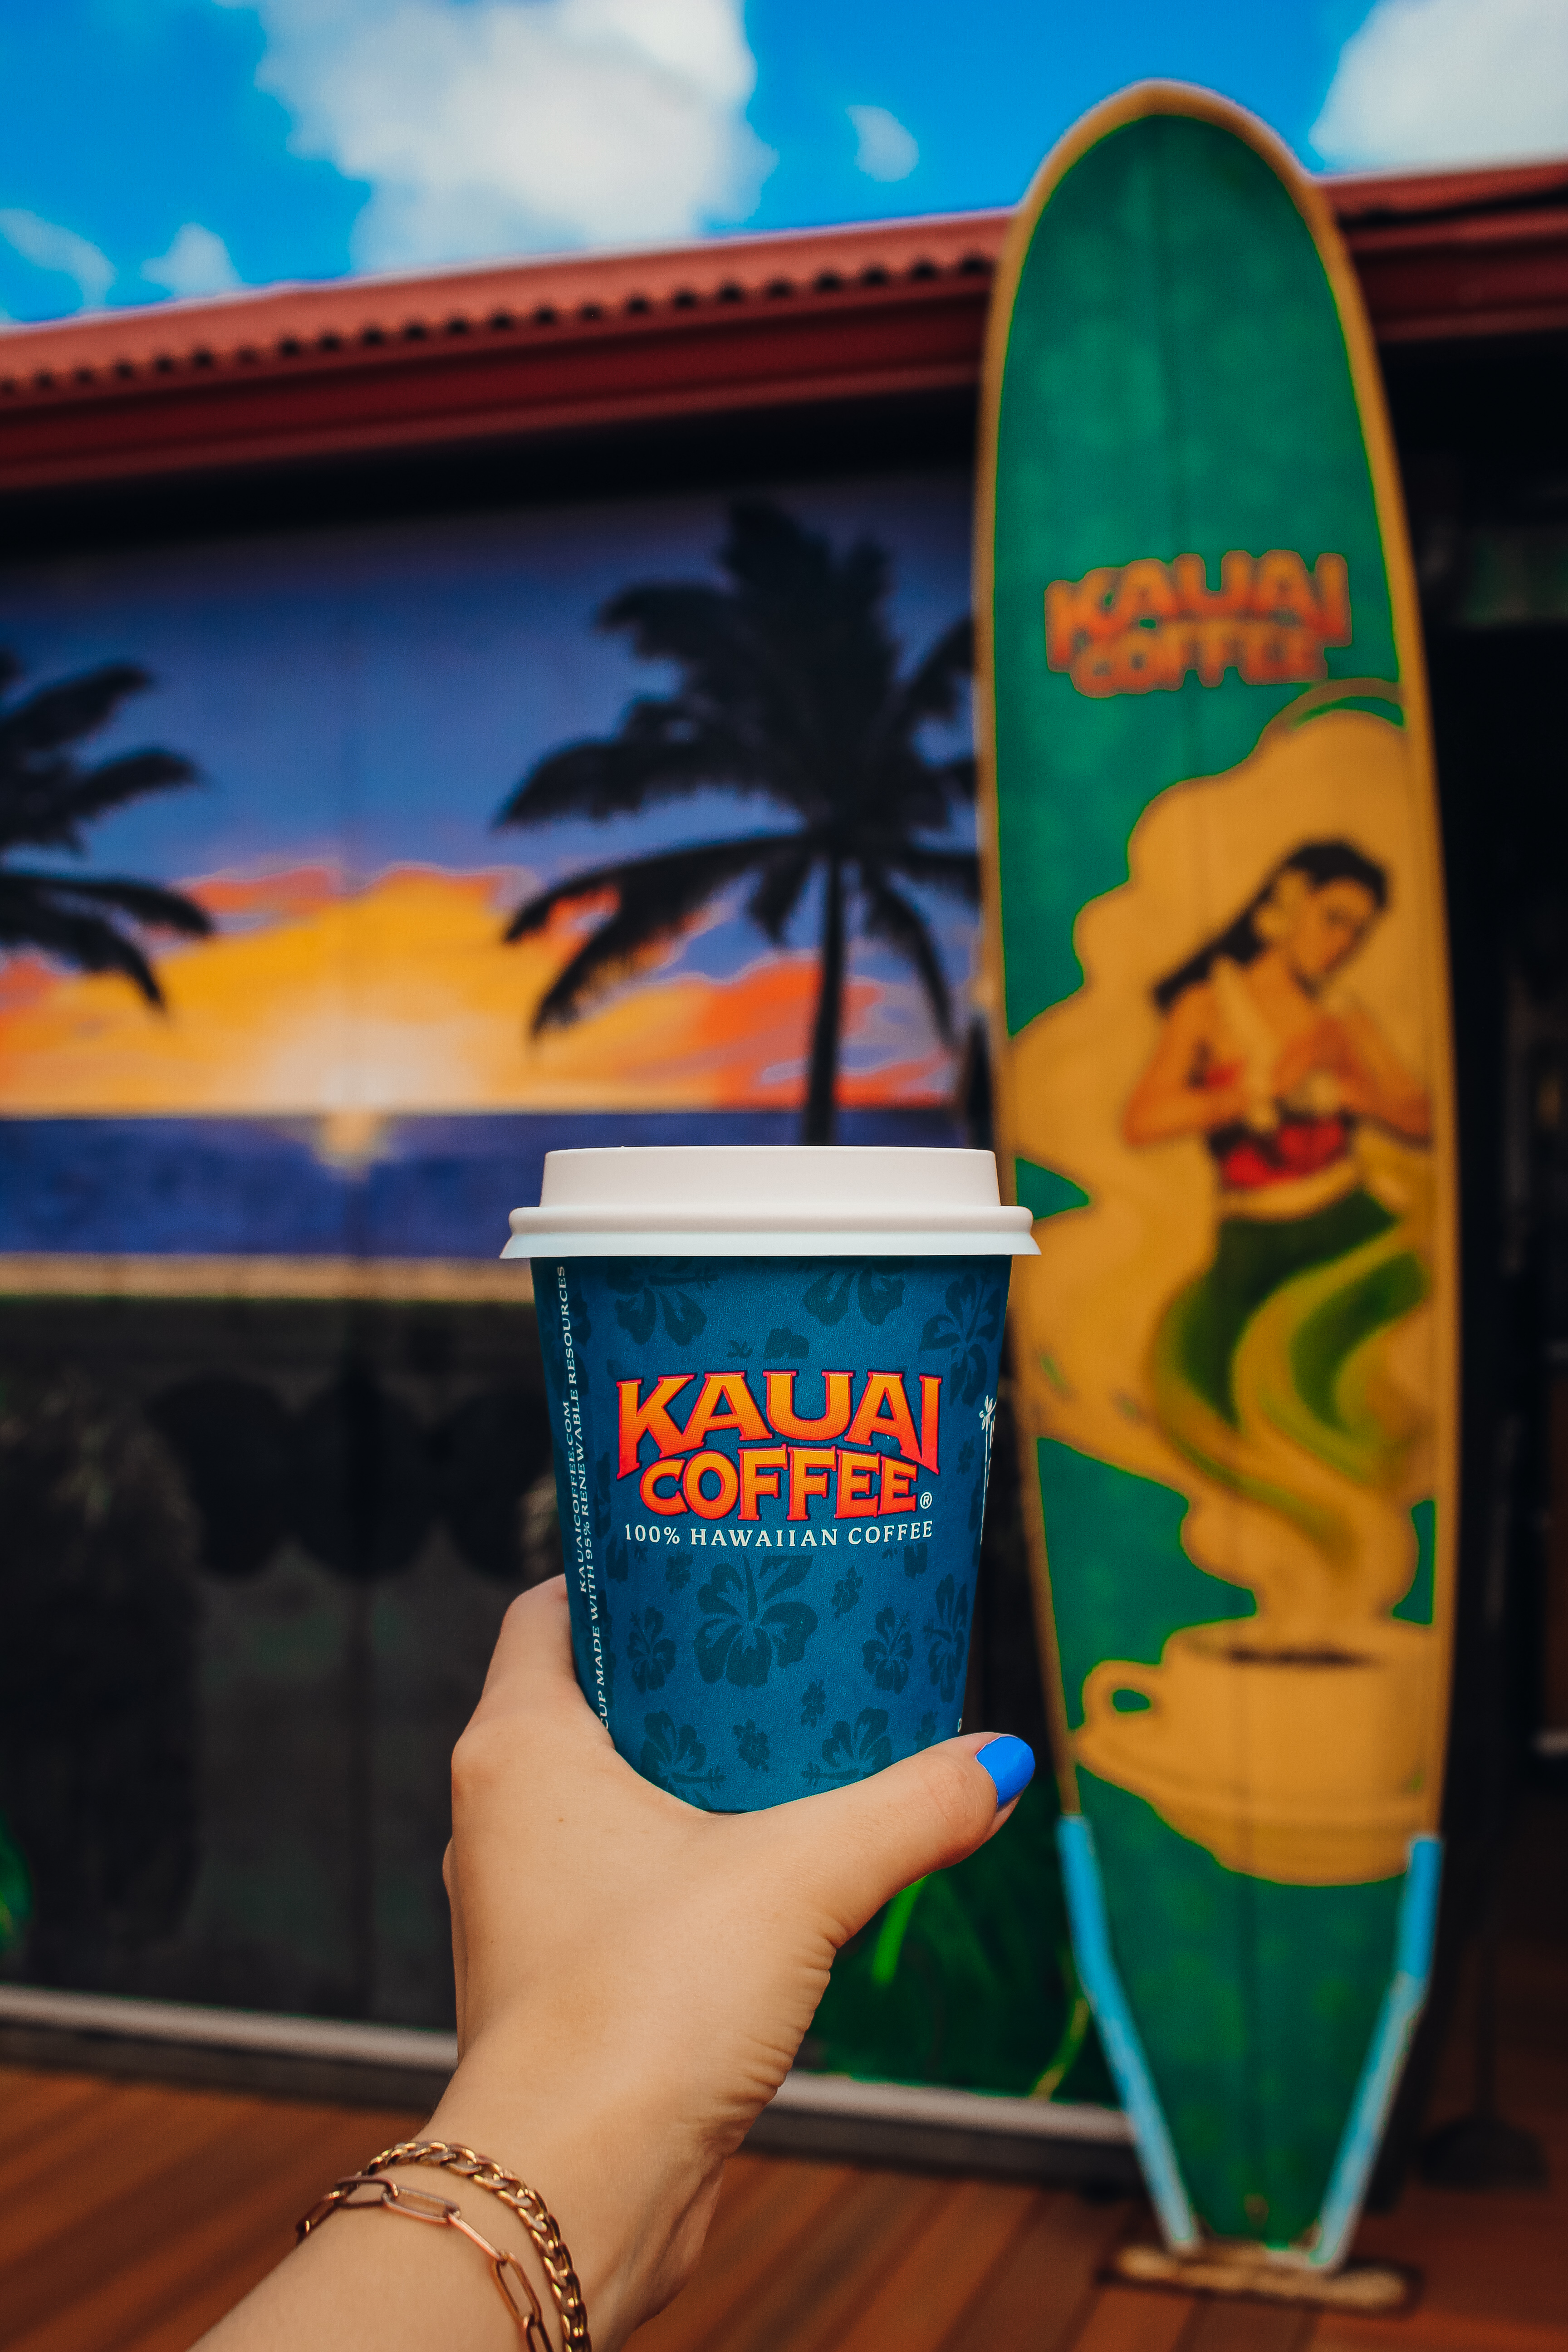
1118,2033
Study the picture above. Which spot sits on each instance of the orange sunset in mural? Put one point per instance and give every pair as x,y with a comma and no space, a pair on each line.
357,1007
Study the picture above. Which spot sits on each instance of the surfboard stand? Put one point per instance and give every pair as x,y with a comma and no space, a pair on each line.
1189,2261
1375,2290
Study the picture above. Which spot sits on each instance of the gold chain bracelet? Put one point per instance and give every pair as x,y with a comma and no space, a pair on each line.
421,2205
531,2210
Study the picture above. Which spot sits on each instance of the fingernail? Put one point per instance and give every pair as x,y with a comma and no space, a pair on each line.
1011,1764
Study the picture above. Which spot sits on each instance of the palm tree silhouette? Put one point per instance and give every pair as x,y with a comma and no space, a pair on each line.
790,691
46,799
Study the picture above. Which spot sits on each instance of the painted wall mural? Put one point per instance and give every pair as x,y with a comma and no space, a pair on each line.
346,1059
292,752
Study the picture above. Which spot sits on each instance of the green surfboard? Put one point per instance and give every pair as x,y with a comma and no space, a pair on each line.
1219,990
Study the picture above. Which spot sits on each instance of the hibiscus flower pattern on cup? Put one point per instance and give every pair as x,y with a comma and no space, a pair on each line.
887,1654
770,1476
678,1761
747,1623
650,1652
853,1755
753,1745
948,1637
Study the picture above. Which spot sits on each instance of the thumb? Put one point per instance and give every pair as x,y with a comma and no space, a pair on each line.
856,1847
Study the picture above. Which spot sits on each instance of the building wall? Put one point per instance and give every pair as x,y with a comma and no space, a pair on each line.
248,1242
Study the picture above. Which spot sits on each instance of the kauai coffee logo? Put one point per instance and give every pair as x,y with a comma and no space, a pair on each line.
1134,627
790,1459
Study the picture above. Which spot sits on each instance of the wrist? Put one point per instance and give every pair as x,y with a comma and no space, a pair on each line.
618,2192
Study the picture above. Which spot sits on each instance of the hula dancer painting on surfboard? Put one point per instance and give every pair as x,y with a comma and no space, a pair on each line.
1275,1082
1220,989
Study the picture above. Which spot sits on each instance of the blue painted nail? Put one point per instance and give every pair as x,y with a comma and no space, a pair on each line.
1011,1764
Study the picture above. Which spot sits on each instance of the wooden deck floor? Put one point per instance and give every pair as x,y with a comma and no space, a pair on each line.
131,2215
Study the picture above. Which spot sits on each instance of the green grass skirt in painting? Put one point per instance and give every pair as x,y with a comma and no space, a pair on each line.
1271,1354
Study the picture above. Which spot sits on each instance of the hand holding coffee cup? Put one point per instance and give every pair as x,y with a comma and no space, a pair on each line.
633,1981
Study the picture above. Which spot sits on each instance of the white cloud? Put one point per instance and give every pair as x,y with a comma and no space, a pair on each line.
1449,81
519,125
197,262
887,151
48,246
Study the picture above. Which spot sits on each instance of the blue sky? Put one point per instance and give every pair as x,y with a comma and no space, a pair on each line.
149,148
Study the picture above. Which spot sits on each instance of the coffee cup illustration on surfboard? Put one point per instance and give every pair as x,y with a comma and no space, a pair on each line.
1219,990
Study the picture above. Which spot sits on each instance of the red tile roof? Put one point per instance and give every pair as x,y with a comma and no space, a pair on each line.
500,350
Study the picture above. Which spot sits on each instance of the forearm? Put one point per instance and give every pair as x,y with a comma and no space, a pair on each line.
376,2280
632,2202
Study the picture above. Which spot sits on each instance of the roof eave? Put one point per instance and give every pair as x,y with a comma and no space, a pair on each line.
504,351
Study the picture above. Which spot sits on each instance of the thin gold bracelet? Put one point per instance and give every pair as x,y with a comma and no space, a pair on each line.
526,2203
423,2205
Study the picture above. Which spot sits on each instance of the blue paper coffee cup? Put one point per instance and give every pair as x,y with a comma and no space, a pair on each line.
773,1377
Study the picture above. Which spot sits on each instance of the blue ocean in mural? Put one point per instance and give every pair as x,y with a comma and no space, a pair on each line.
438,1188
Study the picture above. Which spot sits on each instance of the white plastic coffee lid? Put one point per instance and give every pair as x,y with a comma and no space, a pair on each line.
770,1199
